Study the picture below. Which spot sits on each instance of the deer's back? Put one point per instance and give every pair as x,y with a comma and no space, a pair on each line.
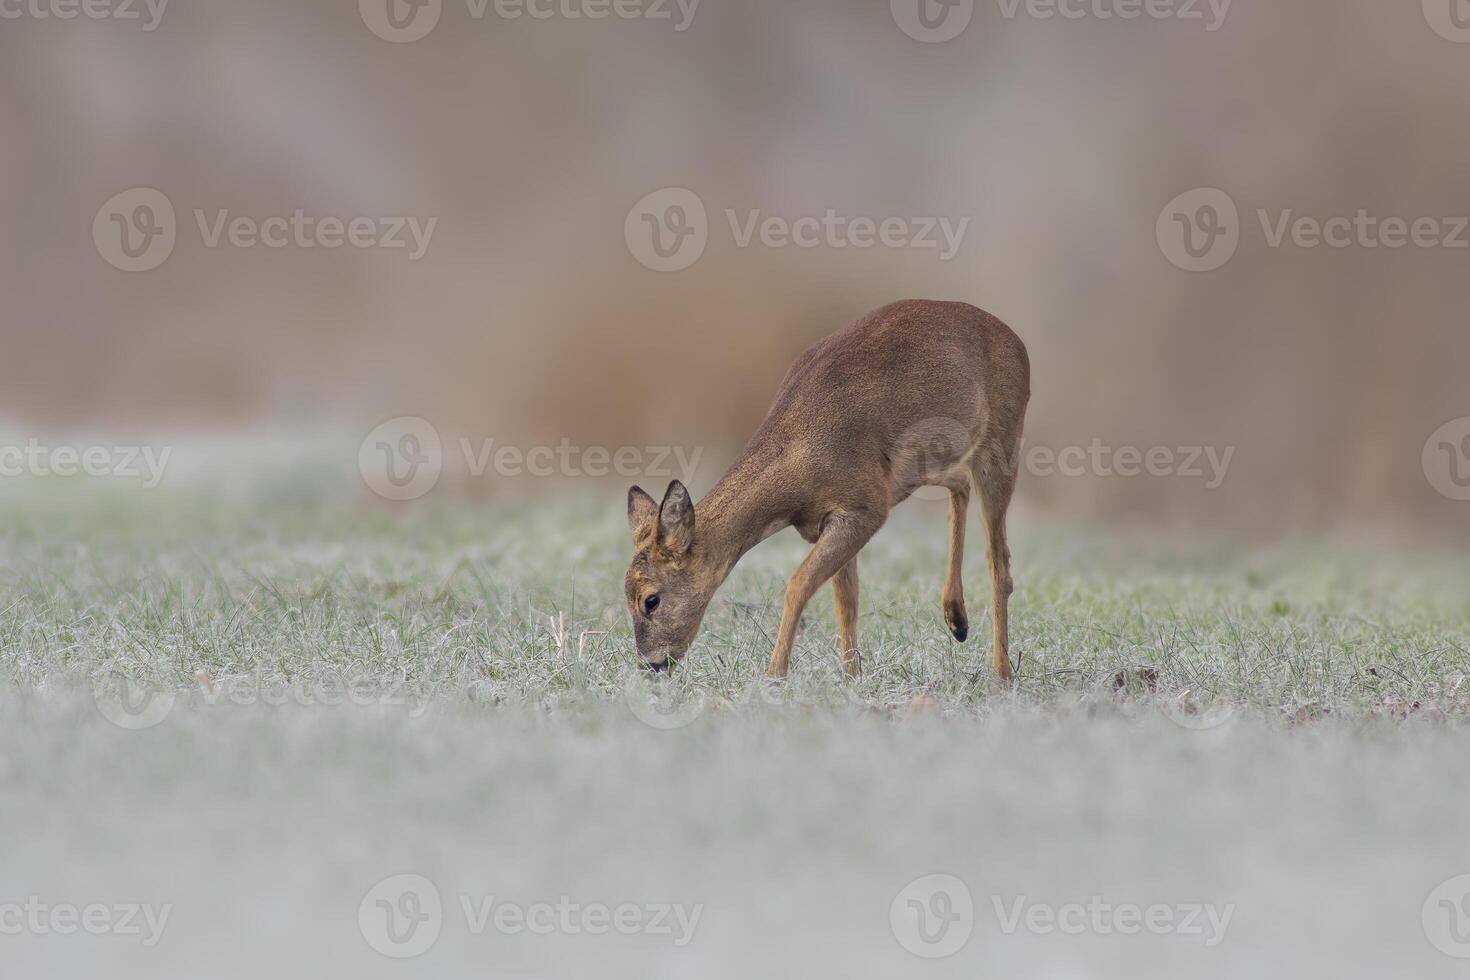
909,365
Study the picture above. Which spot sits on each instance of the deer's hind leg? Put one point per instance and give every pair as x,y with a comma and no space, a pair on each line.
954,587
994,475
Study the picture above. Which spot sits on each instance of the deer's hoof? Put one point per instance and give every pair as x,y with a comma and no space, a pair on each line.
958,622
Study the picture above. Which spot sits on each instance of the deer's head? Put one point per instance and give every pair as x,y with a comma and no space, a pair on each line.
667,585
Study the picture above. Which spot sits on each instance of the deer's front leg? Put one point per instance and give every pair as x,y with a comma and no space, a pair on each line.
845,592
843,535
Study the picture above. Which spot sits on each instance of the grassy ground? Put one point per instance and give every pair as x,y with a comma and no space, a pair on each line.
255,711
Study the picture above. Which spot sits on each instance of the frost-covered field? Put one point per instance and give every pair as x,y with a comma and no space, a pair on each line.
230,729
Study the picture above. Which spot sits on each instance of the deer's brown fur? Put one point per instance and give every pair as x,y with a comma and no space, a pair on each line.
916,393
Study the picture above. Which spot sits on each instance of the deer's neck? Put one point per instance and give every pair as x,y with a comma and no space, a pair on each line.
747,506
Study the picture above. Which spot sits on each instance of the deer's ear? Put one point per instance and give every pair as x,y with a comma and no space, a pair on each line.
676,519
642,514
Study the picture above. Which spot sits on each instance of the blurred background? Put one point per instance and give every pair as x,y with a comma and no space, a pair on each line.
525,150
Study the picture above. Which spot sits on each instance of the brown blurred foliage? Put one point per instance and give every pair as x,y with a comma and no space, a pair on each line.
529,319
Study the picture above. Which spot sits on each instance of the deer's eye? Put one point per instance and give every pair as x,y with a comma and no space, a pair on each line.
650,604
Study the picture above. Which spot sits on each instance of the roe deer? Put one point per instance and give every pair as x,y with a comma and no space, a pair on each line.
916,393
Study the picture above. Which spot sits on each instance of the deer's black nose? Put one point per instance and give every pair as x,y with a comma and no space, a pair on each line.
659,667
